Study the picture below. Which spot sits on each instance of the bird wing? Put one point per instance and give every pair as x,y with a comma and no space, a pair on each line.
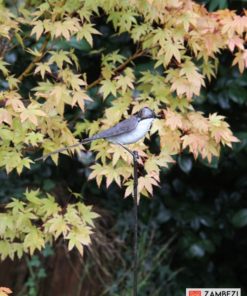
122,127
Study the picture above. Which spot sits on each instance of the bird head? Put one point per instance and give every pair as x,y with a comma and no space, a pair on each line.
146,113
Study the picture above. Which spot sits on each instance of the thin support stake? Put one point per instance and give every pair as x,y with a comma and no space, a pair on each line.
135,214
135,197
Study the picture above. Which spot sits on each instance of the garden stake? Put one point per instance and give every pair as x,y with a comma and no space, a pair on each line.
135,198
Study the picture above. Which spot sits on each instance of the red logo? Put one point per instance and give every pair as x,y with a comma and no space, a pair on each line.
195,293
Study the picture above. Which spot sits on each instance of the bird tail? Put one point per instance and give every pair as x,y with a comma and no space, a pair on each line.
84,141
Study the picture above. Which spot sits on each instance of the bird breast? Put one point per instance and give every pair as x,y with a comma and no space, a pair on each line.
135,135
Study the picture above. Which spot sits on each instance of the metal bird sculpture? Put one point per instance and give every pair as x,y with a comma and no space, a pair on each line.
123,133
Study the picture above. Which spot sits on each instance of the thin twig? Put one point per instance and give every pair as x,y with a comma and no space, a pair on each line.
137,54
85,141
30,67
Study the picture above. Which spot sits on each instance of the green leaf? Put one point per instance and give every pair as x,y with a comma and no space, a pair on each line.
239,219
185,163
73,43
32,197
3,69
108,87
87,214
86,32
34,240
196,250
19,40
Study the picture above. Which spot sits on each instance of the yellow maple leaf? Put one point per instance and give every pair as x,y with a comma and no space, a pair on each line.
38,29
31,113
5,116
173,119
4,291
79,98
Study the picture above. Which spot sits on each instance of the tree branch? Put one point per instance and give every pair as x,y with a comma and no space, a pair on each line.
30,67
137,54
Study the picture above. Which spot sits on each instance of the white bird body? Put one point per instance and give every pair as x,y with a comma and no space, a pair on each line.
135,135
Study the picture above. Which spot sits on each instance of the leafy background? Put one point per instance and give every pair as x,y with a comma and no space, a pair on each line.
192,231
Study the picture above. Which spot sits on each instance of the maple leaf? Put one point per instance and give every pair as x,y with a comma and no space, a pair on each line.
168,138
16,206
32,196
220,130
86,32
169,50
25,162
173,119
187,18
96,173
13,100
112,58
119,153
3,69
38,29
125,81
5,116
12,81
209,69
197,143
147,182
49,207
87,214
15,103
86,126
42,68
31,113
182,86
198,122
60,57
72,216
236,24
78,237
215,119
71,79
4,291
57,226
5,247
34,240
241,60
108,87
123,21
151,165
107,72
34,52
223,134
139,31
34,138
129,188
112,174
165,158
190,71
79,98
235,41
60,93
68,27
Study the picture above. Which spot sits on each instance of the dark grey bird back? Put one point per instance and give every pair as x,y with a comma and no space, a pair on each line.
122,127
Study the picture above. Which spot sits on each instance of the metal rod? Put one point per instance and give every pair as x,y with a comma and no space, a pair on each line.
135,212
